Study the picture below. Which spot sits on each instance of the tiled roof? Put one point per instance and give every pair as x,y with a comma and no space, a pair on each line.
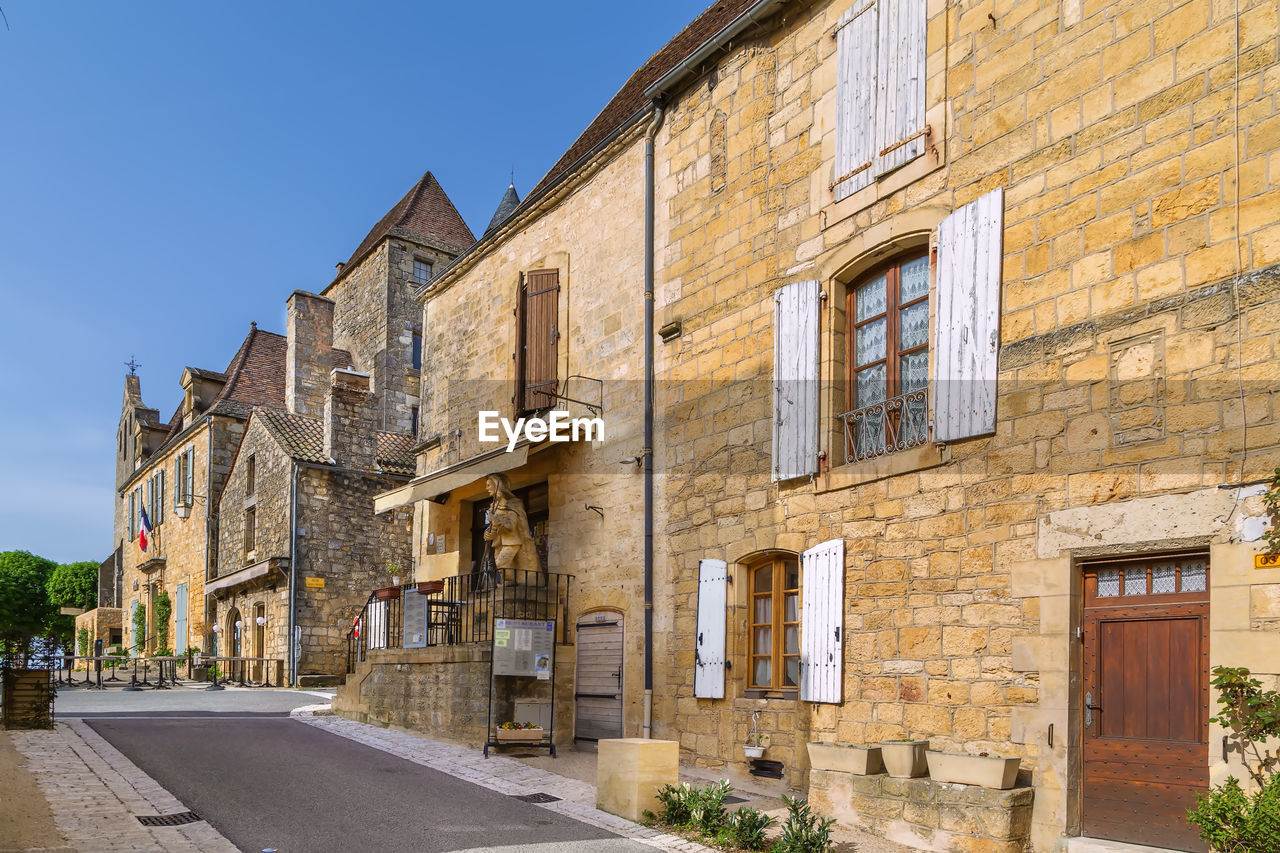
425,211
630,98
303,439
510,201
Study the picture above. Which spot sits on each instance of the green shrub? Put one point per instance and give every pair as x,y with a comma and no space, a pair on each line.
1232,821
673,802
746,828
804,831
82,640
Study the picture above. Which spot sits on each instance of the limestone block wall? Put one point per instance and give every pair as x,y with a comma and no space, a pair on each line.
341,541
588,233
188,545
100,621
270,499
1132,358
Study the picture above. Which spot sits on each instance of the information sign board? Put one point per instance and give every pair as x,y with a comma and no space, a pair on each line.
415,620
523,647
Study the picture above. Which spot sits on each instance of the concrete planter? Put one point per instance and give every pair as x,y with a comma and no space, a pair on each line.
905,759
986,770
860,760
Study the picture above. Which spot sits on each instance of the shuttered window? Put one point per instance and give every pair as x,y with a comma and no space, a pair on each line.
159,511
133,515
177,480
537,314
887,359
880,98
709,652
189,476
822,623
967,331
775,625
795,380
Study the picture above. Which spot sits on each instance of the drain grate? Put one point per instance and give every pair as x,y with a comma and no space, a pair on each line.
179,819
537,798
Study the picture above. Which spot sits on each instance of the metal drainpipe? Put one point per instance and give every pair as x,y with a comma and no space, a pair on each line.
293,573
650,136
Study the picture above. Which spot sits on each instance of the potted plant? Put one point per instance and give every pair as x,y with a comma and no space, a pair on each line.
756,745
905,758
859,760
989,771
513,732
387,593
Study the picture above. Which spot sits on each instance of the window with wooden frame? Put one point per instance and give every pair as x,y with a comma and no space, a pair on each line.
250,474
537,338
775,625
250,530
887,359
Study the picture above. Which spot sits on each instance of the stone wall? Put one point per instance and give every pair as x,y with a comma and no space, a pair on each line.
595,526
342,542
270,499
100,621
1128,349
443,692
924,814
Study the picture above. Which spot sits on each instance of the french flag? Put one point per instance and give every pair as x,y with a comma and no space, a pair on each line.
144,530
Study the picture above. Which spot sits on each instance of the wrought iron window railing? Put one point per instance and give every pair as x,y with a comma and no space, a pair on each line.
459,610
887,426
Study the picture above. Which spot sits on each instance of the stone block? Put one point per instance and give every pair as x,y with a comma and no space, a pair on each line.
629,772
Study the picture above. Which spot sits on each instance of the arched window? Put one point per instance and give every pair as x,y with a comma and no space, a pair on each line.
887,362
775,624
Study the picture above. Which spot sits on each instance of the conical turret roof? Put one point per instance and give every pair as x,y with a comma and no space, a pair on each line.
510,201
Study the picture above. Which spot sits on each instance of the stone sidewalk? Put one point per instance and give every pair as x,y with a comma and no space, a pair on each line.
577,800
97,795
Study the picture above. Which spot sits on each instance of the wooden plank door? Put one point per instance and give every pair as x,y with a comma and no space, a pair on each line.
598,688
1146,699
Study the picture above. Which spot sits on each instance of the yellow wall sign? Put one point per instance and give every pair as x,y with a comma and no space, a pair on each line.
1266,561
314,583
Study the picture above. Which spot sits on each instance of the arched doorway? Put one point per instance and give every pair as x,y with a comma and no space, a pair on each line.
598,686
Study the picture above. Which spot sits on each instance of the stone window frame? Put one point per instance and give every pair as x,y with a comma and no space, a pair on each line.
839,268
250,532
420,263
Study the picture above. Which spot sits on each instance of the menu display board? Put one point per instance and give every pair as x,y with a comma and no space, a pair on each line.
415,620
523,647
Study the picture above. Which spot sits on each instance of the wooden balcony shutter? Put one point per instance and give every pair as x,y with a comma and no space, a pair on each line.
795,380
709,653
967,330
900,108
822,623
538,311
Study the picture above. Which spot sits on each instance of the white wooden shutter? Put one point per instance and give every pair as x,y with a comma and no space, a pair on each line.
177,481
159,497
822,623
857,42
709,654
190,472
376,625
967,334
180,620
795,380
900,72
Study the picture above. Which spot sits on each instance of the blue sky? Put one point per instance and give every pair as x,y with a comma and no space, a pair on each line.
172,171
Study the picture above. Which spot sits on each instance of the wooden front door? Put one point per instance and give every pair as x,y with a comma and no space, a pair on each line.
598,688
1146,699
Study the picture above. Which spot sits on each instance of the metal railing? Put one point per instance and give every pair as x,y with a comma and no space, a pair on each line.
887,426
457,611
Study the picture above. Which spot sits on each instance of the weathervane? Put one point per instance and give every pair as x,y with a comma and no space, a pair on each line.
133,365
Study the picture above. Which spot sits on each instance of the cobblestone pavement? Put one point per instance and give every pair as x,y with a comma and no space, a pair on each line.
497,773
97,795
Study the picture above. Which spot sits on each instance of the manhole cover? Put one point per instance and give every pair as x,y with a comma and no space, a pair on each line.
169,819
537,798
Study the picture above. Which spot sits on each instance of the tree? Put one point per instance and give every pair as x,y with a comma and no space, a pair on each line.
74,585
26,613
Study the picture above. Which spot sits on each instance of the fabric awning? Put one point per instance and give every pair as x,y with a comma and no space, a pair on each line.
245,575
448,479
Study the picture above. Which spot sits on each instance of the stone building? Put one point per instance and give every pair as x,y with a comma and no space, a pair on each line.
174,472
299,547
972,402
367,321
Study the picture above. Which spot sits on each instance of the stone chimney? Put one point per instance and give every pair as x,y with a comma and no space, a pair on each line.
350,421
307,359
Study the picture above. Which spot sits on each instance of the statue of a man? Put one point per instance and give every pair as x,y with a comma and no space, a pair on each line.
508,530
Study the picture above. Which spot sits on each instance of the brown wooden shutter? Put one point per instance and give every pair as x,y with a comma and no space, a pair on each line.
538,311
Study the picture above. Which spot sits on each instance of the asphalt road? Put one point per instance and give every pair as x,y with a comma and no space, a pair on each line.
278,783
184,701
